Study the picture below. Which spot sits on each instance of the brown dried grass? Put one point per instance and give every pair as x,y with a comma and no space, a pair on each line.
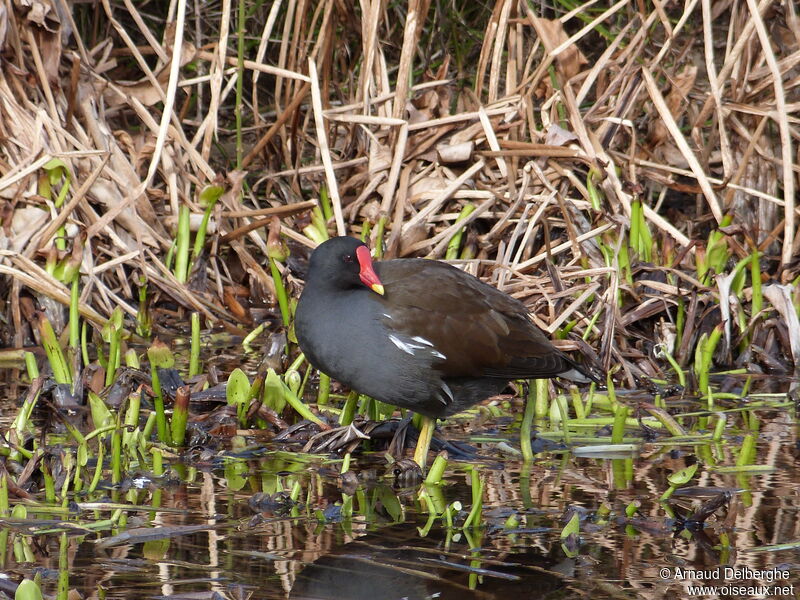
691,109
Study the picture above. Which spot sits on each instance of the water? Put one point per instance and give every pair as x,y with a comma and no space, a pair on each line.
381,542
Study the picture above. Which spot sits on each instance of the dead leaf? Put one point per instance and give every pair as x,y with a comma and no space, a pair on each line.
27,220
682,84
558,136
46,35
110,196
143,90
455,153
41,13
780,296
411,237
571,61
3,26
380,158
426,187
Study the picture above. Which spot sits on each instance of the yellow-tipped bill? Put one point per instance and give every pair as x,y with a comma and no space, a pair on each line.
367,273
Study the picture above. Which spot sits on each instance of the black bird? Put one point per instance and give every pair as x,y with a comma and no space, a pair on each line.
417,333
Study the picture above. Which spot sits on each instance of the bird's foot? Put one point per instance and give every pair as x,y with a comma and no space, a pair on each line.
335,439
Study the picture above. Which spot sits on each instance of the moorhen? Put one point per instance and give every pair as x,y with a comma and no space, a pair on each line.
417,333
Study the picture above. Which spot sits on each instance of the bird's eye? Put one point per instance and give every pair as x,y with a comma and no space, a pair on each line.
348,258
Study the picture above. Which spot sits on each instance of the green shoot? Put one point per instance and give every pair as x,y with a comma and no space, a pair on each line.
180,415
160,358
455,242
144,322
237,391
678,479
182,245
194,353
55,355
571,530
208,198
112,335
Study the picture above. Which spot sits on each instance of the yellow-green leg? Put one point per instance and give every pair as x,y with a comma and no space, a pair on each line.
424,441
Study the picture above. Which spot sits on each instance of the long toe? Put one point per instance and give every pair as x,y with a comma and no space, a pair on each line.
334,439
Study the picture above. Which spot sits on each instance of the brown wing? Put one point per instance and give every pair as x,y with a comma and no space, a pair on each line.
479,330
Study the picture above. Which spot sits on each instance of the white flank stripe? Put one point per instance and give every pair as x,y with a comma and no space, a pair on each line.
407,348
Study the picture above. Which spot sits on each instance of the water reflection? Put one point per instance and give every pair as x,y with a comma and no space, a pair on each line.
271,525
396,563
